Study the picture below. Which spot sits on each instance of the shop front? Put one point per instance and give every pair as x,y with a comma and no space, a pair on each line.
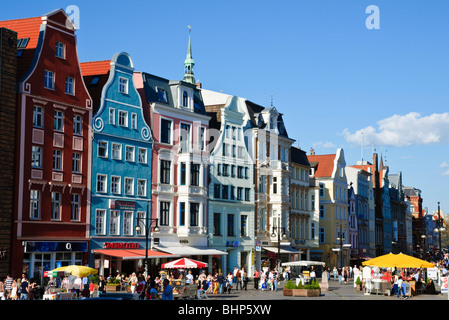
41,256
125,257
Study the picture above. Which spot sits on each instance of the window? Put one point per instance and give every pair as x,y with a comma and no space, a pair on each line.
57,159
100,221
217,224
247,194
123,85
123,118
162,95
230,225
101,183
141,187
185,101
76,207
240,172
76,162
49,80
115,184
232,193
77,125
184,139
142,155
183,174
239,193
133,121
60,50
194,214
322,211
129,186
116,151
243,225
128,223
321,189
224,191
182,213
217,190
114,222
69,85
36,157
166,126
202,138
225,171
37,117
111,116
59,121
55,206
129,153
102,149
35,197
165,172
164,214
275,185
194,174
141,216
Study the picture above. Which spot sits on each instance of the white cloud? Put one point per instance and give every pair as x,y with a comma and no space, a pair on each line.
404,130
445,166
325,145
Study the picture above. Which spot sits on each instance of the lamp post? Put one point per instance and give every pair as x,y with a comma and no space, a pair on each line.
439,230
147,224
273,234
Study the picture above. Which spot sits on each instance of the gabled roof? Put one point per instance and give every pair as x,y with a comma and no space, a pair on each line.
324,164
28,28
95,74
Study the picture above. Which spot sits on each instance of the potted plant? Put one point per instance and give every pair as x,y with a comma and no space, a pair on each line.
113,284
300,290
358,284
288,288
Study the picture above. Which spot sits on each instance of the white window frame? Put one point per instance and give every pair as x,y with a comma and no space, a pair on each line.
75,207
60,50
76,162
70,85
35,204
116,182
56,199
49,80
128,217
133,120
141,183
106,149
36,157
114,222
145,152
38,120
57,159
77,125
104,182
116,154
58,121
129,186
130,153
112,116
100,222
123,85
123,118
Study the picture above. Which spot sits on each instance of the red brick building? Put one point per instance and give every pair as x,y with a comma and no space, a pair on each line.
52,205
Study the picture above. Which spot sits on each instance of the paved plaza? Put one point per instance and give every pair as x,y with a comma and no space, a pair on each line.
336,292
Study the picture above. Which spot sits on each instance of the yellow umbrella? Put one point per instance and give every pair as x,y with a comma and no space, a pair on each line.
399,261
79,271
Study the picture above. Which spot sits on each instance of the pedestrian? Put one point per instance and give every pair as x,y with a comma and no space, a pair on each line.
312,276
339,273
335,273
221,282
133,282
256,279
153,292
167,293
236,276
8,285
77,286
102,284
345,274
91,289
189,277
14,290
244,279
230,279
401,288
24,289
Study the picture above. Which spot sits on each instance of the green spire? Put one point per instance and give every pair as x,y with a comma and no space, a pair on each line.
188,64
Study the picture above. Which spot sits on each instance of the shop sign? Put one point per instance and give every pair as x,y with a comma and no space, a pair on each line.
122,205
444,285
44,246
121,245
233,244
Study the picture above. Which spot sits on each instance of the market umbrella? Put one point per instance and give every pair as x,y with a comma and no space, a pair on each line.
399,261
184,263
79,271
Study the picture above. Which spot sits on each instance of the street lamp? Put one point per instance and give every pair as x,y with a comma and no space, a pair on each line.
342,246
273,234
439,229
147,224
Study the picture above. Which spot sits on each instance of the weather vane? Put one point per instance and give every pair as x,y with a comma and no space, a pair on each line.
190,27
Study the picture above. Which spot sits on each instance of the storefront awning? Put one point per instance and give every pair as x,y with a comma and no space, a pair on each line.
283,249
191,251
133,254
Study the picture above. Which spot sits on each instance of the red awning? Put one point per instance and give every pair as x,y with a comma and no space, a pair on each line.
133,254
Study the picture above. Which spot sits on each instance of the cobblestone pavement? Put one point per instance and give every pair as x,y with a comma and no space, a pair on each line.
336,292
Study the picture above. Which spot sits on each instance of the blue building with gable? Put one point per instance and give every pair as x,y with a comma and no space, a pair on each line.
121,167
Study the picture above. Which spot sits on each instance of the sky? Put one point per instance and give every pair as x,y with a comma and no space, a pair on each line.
343,73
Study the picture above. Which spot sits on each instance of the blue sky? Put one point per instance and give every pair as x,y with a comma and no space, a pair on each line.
331,76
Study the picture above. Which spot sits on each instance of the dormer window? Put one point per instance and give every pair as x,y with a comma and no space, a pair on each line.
162,95
185,99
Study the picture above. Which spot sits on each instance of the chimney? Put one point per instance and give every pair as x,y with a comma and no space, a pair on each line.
312,152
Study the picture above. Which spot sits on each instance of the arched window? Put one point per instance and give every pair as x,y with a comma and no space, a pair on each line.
185,99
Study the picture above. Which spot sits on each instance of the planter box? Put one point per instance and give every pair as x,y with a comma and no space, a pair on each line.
288,292
306,292
112,288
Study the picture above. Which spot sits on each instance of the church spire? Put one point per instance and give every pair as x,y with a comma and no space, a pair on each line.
189,63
